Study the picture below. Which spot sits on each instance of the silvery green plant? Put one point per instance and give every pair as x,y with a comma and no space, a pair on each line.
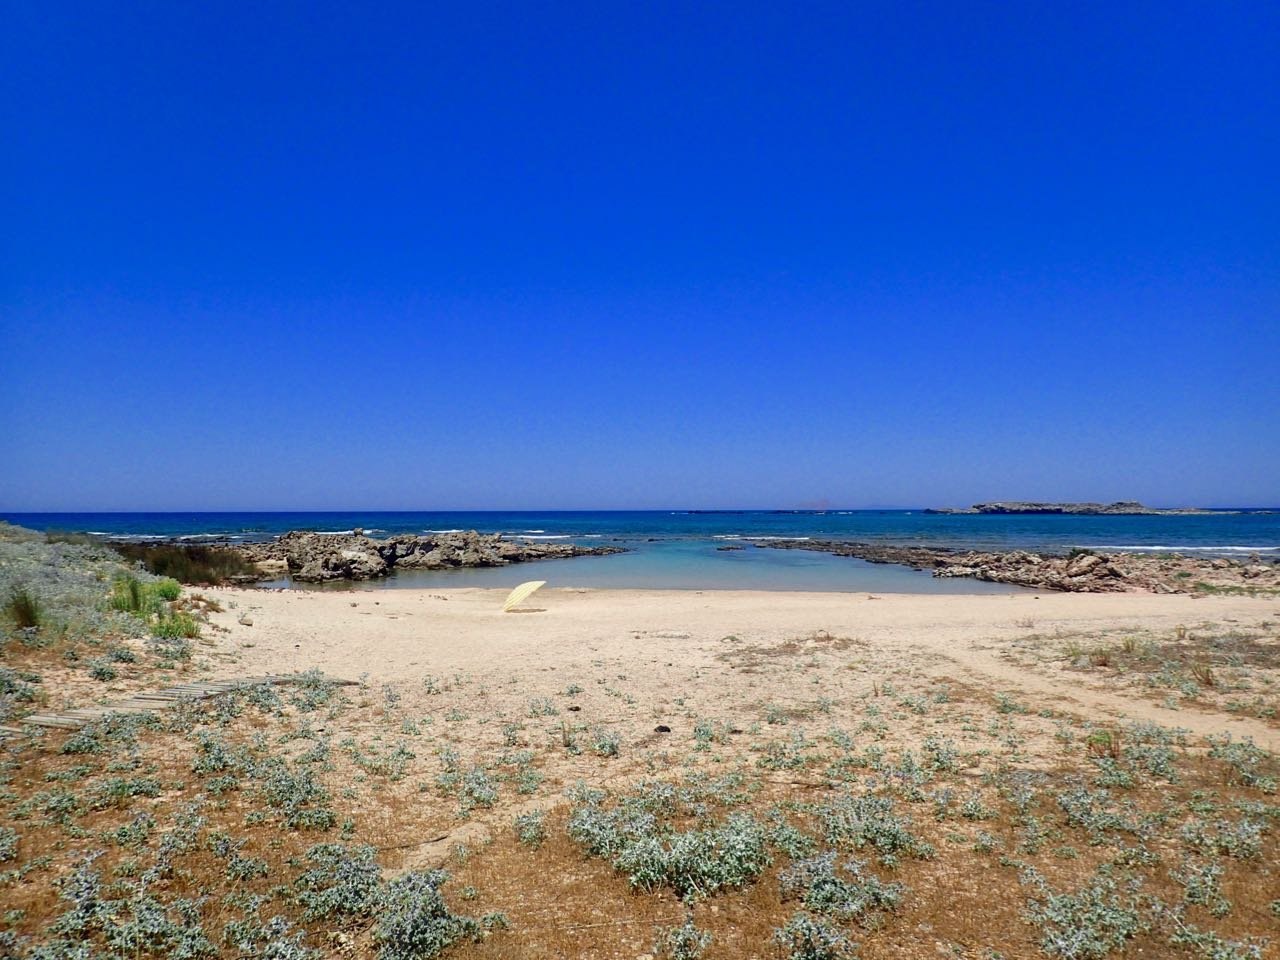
849,895
8,844
340,881
542,707
414,921
1086,924
476,789
531,828
1248,763
804,937
685,942
857,821
295,795
1202,886
786,754
697,863
787,838
941,755
1241,840
274,940
1097,813
605,742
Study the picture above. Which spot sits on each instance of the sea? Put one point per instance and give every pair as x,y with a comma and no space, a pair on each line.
679,549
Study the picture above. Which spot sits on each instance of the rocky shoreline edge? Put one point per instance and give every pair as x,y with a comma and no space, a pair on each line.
1081,571
320,557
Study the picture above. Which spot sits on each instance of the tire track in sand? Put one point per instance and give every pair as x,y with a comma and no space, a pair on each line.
1084,701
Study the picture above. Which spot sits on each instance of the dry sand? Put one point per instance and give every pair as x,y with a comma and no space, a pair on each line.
669,643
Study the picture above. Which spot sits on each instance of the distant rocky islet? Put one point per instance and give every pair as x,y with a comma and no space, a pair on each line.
1120,508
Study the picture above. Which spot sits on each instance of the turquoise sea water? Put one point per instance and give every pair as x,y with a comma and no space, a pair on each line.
677,549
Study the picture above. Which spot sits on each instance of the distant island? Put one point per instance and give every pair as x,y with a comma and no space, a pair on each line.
1121,508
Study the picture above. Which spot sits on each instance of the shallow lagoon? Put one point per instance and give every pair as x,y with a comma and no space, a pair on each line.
691,565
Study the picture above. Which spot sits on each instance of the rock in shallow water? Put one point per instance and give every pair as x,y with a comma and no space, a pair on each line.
319,557
1078,572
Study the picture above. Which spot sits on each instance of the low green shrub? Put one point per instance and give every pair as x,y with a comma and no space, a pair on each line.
531,828
415,923
807,938
852,895
854,822
685,942
1090,923
167,589
101,669
177,626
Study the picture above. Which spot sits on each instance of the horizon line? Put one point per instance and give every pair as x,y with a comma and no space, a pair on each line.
833,509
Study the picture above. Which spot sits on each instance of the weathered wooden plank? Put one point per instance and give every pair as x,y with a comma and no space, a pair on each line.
105,711
61,723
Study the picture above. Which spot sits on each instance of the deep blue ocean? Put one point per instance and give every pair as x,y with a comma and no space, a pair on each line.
677,549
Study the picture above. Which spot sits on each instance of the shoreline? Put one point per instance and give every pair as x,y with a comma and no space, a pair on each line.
1079,571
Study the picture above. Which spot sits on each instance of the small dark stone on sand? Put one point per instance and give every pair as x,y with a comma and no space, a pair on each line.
662,728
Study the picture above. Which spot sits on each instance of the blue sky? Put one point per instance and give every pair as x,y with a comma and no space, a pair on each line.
603,255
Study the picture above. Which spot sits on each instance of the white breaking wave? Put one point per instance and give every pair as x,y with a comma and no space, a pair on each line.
334,533
455,530
1163,548
547,536
535,531
739,536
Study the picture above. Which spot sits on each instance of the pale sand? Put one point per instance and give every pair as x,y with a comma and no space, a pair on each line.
660,646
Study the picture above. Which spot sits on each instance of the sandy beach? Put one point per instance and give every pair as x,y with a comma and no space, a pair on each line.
675,642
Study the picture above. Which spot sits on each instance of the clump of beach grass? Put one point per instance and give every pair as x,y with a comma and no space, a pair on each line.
191,564
23,607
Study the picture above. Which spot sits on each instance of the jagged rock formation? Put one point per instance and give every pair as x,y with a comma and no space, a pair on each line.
1077,572
1121,508
317,557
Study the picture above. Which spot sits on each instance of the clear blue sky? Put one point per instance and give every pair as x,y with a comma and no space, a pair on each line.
602,255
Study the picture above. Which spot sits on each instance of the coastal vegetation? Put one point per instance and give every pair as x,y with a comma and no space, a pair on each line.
23,609
813,797
190,563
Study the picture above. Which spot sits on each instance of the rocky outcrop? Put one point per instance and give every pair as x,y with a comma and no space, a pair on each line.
317,557
1121,508
1081,571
